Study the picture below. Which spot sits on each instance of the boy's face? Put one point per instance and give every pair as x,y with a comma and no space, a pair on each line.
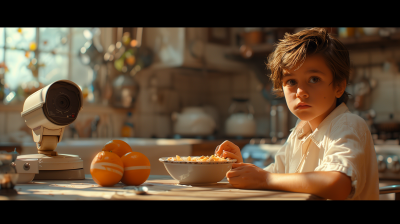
311,84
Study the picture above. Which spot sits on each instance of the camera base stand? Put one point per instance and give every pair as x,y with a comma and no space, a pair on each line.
60,167
78,174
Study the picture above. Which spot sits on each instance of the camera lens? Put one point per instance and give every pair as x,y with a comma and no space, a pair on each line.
62,102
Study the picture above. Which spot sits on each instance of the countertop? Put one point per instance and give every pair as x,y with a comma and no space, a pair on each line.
161,187
154,149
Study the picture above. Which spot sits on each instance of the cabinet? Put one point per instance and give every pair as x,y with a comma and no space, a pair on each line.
187,48
261,51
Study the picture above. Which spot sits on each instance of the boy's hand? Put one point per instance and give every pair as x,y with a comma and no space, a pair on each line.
247,176
230,150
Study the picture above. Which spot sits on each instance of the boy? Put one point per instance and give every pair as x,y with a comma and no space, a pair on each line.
330,152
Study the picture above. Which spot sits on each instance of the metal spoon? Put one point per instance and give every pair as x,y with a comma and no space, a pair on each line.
140,189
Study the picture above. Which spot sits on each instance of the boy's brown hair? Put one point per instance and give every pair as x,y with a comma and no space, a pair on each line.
293,48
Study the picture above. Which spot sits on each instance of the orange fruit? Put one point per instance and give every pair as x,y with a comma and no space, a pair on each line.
107,169
126,131
136,168
118,147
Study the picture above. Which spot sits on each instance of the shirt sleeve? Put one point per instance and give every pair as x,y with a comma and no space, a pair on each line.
345,153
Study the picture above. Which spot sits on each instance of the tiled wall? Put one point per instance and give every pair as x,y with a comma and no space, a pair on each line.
183,88
166,91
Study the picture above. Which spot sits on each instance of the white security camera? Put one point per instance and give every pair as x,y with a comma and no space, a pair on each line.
48,110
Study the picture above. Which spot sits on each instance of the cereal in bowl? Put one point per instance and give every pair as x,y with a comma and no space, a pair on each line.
211,158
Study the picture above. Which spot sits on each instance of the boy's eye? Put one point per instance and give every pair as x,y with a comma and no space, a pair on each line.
314,79
290,82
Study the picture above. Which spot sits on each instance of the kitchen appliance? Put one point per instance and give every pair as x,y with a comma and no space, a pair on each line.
384,130
47,112
187,48
241,121
388,155
193,121
260,152
213,112
389,129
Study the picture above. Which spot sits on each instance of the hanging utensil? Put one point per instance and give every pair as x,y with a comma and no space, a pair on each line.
144,54
91,53
124,91
128,62
132,56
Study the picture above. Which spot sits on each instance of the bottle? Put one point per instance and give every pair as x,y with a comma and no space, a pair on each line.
128,127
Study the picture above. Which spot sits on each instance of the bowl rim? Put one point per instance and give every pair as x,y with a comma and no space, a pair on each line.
165,160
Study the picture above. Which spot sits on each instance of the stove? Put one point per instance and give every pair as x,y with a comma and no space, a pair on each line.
387,148
261,152
388,161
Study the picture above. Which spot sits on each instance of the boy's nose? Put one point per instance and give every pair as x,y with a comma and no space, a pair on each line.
301,93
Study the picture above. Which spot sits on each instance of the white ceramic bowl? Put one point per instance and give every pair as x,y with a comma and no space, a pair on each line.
197,173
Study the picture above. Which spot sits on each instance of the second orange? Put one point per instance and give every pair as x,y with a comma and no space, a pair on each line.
118,147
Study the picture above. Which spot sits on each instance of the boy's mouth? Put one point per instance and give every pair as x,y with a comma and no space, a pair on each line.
301,106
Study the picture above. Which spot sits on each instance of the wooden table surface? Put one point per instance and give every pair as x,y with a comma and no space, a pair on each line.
161,187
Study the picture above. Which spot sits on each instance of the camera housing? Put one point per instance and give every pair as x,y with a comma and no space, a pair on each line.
48,110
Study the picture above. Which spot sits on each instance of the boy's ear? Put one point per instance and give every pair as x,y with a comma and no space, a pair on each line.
340,89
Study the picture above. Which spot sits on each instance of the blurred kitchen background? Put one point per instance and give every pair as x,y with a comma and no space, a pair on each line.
204,85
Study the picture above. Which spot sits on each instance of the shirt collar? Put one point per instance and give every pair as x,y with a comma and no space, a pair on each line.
303,127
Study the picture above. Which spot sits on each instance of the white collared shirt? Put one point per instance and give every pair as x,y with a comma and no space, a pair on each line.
342,142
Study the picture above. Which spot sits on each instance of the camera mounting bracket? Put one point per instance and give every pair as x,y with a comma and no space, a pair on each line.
47,139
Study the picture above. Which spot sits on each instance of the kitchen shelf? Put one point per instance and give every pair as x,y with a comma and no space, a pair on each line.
371,42
261,51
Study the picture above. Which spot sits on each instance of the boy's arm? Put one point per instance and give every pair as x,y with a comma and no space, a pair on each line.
326,184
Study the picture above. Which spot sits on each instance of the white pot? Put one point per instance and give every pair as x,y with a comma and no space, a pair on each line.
212,111
193,121
240,124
